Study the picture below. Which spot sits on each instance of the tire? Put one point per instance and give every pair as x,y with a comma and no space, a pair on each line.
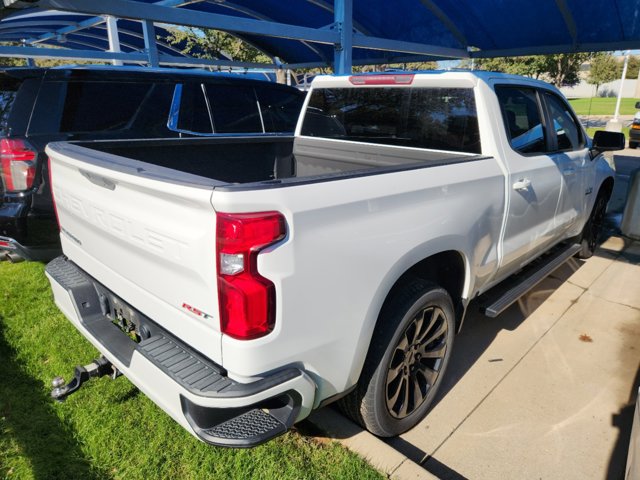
589,240
633,144
407,359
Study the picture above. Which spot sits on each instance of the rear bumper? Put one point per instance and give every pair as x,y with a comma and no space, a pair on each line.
196,392
31,236
11,246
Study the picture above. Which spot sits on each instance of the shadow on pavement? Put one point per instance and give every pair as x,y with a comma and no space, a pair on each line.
27,415
623,421
479,331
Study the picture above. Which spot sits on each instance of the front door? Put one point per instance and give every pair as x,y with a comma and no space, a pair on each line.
534,179
572,157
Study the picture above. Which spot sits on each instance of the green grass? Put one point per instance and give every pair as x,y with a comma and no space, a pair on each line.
603,106
592,130
109,429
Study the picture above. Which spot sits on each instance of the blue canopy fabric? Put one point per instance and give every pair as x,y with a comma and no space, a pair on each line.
474,28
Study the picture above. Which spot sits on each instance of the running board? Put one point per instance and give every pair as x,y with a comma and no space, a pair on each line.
525,280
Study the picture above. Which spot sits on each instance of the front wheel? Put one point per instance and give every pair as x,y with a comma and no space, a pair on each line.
593,229
408,356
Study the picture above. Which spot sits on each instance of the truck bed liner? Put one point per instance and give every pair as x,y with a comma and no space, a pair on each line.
253,160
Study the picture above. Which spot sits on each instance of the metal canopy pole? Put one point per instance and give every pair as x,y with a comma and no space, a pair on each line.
343,51
114,39
150,46
29,60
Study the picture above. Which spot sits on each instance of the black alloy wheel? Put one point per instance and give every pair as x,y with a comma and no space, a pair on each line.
594,226
416,362
407,358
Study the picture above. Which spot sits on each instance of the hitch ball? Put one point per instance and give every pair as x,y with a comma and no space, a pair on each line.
57,382
98,368
59,391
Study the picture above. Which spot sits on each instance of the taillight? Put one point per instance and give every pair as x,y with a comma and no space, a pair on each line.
247,299
18,161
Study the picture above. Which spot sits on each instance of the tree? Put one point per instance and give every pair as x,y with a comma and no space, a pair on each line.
604,69
561,69
529,66
399,66
214,44
633,68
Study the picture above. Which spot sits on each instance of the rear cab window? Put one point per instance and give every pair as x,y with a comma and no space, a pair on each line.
429,118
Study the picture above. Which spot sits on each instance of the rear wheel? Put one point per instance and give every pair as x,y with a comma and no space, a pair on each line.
407,359
593,229
633,144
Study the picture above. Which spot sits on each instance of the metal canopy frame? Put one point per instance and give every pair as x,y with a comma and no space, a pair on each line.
340,34
458,25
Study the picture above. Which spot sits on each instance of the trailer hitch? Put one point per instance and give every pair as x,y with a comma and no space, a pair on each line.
98,368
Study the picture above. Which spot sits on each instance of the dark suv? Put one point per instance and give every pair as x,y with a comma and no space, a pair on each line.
634,130
38,106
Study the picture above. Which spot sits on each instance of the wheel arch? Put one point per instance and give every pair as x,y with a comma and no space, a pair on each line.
607,185
448,268
444,263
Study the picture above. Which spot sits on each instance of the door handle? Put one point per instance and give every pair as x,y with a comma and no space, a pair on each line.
522,184
567,172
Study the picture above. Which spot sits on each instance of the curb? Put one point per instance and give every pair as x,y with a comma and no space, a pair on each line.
381,456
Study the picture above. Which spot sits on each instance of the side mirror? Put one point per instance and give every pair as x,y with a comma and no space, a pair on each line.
604,141
638,105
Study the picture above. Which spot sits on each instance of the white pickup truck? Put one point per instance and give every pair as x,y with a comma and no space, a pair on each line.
242,282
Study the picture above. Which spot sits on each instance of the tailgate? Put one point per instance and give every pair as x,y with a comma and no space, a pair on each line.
149,239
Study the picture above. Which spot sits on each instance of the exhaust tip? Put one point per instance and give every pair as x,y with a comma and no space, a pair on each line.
13,257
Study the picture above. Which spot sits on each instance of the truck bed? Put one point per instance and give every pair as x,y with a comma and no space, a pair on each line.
259,159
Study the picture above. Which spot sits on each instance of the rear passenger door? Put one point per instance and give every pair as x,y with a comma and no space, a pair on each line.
534,179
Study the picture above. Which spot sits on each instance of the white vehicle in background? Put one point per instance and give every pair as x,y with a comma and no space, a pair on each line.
243,282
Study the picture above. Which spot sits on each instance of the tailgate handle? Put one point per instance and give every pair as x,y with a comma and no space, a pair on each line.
99,180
